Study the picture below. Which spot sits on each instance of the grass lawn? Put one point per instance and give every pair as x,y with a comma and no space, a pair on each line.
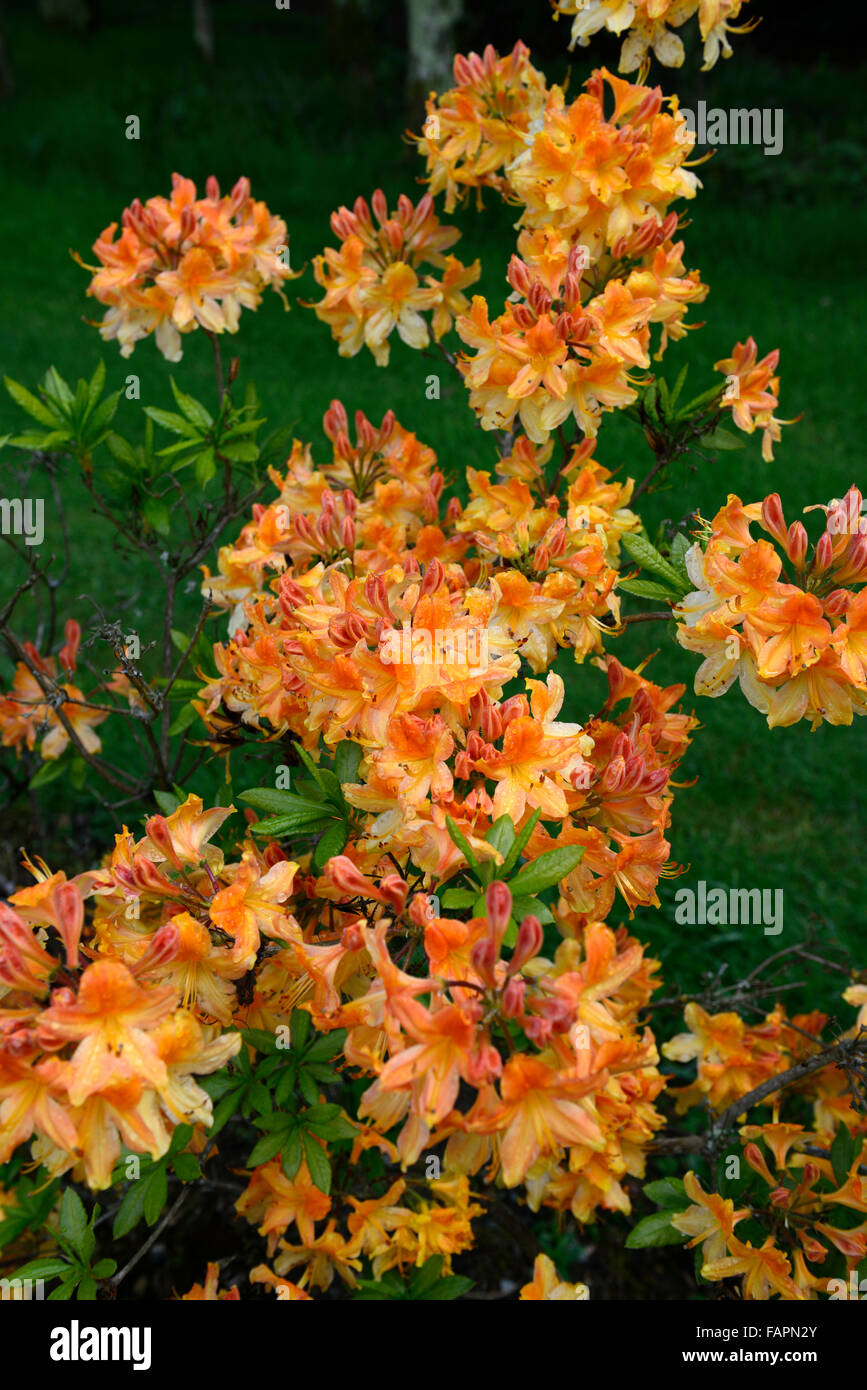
779,240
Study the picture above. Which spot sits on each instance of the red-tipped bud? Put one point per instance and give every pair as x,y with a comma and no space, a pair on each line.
68,653
796,544
157,831
498,907
528,944
484,1065
69,911
351,938
512,1002
773,519
348,878
484,957
433,578
824,555
394,891
838,602
347,534
162,948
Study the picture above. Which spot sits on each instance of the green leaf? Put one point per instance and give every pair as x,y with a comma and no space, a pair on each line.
267,1148
187,1167
453,1286
244,451
206,467
546,871
723,440
48,1268
331,842
185,716
157,1190
53,385
523,907
130,1211
678,385
653,1231
458,897
292,1154
640,549
347,758
843,1152
87,1290
462,843
176,424
299,1028
73,1218
157,515
260,1038
121,450
677,555
103,1269
317,1162
519,846
667,1192
167,802
192,409
32,405
276,826
502,835
48,772
646,588
283,803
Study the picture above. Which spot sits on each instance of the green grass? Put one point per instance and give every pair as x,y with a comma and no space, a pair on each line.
313,125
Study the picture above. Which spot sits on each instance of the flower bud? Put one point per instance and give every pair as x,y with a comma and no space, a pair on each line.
393,891
69,910
483,958
512,1001
528,944
773,519
796,544
498,907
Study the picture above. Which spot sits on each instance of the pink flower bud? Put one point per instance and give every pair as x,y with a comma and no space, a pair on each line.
433,578
483,958
162,948
796,544
498,907
824,554
528,944
393,891
512,1003
69,910
838,602
773,519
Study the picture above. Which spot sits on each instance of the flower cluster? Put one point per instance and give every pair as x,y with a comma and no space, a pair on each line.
473,133
40,708
101,1044
752,388
794,636
185,262
800,1177
371,282
646,23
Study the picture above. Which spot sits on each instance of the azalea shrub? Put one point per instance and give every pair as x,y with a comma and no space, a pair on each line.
360,953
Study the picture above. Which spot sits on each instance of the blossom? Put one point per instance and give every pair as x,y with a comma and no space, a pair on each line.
185,262
548,1287
371,282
